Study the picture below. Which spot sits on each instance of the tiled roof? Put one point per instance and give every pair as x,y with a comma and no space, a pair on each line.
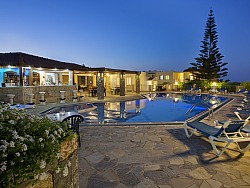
104,69
23,59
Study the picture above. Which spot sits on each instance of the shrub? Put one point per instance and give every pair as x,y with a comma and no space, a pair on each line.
28,145
246,85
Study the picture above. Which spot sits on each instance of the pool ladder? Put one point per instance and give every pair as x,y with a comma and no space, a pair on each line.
210,110
190,109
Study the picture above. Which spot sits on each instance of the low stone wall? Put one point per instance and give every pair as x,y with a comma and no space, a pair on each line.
67,176
52,93
20,94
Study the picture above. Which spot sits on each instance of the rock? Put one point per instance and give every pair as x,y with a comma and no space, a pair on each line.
205,185
192,160
214,183
193,186
85,167
181,182
95,158
164,186
129,179
176,160
121,186
152,167
111,175
116,153
159,177
153,138
99,181
200,173
146,183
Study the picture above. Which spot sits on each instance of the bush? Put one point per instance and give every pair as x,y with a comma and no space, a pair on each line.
196,84
28,145
246,85
231,86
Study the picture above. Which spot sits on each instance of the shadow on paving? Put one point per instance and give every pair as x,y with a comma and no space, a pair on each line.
200,146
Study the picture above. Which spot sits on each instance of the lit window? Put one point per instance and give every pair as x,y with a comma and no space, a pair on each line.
167,77
161,77
181,77
129,81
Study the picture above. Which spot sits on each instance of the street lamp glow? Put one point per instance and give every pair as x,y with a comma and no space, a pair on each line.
214,84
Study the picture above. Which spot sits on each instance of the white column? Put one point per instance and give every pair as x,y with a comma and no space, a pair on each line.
70,78
60,77
42,99
62,99
74,95
11,97
31,99
81,94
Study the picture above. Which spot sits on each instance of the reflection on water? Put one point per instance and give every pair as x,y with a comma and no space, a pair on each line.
164,108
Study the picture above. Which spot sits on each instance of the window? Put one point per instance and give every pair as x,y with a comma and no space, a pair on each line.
181,77
167,77
129,81
161,77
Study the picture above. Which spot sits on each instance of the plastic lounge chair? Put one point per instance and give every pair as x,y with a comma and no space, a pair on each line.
73,123
246,130
229,132
239,115
241,90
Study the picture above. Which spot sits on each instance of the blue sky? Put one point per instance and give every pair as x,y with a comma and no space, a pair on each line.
127,34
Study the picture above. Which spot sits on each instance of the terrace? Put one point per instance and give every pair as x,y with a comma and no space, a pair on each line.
158,156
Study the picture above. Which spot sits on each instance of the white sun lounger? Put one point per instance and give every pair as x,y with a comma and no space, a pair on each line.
240,116
229,132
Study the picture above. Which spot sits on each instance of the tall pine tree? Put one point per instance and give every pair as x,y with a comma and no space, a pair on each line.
209,65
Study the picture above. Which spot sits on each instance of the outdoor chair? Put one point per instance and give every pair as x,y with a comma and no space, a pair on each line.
229,132
241,114
73,123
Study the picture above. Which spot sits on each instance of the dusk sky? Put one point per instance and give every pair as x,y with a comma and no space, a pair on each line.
137,35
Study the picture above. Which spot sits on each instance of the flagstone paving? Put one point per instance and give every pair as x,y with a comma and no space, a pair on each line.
127,157
158,157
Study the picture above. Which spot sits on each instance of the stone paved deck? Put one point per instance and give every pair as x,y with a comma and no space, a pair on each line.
158,156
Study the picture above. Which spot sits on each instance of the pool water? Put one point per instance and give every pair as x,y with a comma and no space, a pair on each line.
165,110
153,108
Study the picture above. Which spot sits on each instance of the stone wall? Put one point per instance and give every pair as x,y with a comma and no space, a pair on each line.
52,93
20,94
68,176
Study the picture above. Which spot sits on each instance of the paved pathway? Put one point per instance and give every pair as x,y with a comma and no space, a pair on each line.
158,156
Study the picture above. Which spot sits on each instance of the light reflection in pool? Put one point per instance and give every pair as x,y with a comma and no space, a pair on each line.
161,108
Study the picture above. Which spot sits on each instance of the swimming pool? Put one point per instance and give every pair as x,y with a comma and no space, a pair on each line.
160,107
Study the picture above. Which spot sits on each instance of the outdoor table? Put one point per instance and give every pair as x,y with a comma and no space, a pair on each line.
93,92
117,91
22,106
61,115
